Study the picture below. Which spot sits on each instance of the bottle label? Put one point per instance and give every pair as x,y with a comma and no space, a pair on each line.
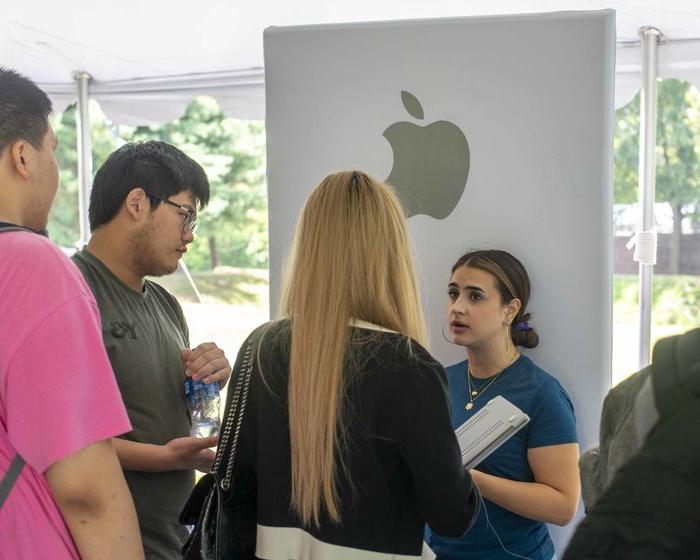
203,403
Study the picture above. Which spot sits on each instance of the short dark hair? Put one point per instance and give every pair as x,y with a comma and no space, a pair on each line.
159,168
512,282
24,110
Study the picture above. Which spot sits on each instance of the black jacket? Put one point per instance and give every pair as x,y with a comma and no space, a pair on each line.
651,511
402,463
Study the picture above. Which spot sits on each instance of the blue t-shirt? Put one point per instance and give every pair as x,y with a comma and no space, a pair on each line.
552,422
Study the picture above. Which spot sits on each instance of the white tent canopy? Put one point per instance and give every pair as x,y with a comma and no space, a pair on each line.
149,58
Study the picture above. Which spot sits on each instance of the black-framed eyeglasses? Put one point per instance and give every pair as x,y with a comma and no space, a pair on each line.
189,219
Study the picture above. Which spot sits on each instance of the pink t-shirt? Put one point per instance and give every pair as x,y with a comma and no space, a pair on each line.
57,389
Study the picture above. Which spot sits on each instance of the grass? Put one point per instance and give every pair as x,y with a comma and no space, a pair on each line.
675,299
227,285
675,309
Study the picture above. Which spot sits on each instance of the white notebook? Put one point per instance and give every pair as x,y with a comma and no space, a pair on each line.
488,429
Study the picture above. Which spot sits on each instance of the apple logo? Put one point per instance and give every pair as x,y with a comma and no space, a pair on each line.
431,163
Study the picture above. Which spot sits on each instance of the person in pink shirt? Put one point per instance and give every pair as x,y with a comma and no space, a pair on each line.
62,491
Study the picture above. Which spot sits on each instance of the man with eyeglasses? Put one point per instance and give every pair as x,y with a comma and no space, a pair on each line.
143,209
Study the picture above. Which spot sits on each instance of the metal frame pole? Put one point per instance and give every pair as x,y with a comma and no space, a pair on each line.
647,183
84,147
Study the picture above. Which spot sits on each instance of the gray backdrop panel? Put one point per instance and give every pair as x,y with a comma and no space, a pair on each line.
534,96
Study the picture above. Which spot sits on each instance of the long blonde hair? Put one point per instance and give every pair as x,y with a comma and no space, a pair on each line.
351,259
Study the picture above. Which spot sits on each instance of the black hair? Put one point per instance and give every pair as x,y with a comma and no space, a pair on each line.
158,168
24,110
512,282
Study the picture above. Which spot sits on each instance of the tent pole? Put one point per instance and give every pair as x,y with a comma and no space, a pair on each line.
82,80
647,185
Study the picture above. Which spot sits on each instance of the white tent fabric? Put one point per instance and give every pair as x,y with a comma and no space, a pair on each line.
148,59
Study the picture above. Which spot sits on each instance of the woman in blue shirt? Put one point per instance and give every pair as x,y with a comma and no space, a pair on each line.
533,479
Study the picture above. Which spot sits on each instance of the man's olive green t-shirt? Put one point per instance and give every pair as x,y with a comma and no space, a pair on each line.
143,334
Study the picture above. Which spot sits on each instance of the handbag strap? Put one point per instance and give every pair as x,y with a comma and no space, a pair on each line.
230,433
11,476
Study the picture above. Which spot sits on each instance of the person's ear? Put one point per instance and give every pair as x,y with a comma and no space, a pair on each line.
137,204
22,155
512,309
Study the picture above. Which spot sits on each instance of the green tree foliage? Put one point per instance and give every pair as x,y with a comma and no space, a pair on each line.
64,227
677,154
233,228
63,220
626,153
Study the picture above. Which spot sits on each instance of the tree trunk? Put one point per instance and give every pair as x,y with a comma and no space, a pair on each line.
676,238
213,254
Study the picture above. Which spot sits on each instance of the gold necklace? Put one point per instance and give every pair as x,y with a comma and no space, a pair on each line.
473,392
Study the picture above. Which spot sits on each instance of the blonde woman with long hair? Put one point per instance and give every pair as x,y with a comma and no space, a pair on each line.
347,447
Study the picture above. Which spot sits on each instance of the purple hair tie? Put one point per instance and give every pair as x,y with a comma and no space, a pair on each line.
522,326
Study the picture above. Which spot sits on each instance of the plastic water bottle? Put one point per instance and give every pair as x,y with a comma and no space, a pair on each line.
203,403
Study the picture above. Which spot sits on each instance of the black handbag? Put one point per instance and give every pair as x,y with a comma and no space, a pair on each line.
224,519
